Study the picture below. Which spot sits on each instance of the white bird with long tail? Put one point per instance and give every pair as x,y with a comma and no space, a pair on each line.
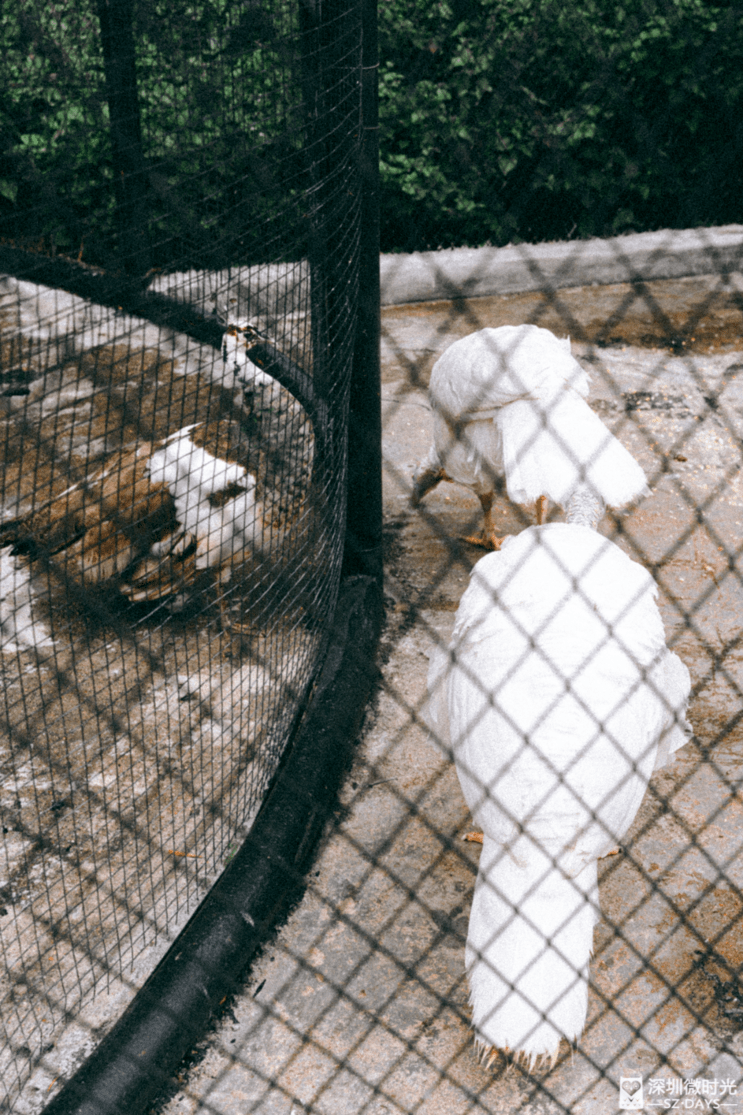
510,403
558,698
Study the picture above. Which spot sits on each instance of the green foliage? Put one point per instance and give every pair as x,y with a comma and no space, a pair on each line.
55,170
537,119
501,120
216,105
218,101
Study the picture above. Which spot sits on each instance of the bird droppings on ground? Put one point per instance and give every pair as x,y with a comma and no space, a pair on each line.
363,1003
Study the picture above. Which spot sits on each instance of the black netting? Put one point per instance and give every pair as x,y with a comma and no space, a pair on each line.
180,222
183,297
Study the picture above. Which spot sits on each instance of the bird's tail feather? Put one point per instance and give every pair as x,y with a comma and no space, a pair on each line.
553,450
528,949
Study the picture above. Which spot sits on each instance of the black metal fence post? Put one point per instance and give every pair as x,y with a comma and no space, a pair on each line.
130,182
363,548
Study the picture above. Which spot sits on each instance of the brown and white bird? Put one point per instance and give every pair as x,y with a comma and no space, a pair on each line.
557,699
166,515
509,403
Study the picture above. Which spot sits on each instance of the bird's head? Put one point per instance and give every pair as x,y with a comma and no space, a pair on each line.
238,369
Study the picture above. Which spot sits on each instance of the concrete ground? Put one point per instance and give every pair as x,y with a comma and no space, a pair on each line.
360,1002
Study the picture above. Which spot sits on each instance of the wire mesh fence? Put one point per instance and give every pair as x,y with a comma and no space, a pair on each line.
177,329
561,683
180,231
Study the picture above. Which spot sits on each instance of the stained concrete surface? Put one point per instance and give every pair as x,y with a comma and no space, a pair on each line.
478,272
360,1002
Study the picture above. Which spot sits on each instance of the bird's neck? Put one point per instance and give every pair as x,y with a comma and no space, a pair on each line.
584,508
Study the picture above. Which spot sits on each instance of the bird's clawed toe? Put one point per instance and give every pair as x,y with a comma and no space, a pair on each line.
484,541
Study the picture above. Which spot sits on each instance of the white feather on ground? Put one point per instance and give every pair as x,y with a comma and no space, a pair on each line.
557,698
510,403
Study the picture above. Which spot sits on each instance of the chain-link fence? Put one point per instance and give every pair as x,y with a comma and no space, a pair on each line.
182,228
561,696
181,232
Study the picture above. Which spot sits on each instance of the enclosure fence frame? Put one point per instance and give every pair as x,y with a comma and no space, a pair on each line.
171,1012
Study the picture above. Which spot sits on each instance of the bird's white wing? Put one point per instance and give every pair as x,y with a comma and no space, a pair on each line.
552,449
214,498
435,711
470,454
556,743
672,682
493,367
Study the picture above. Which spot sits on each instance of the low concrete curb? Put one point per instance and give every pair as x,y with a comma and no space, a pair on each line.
418,277
477,272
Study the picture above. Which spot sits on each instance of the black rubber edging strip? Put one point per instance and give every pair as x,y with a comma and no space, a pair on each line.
139,1056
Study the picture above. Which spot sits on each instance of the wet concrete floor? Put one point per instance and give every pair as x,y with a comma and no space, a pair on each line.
360,1002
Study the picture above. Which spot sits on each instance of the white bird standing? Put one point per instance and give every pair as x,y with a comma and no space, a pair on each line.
558,698
510,402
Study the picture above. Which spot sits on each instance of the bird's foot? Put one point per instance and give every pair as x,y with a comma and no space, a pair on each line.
614,852
473,837
485,540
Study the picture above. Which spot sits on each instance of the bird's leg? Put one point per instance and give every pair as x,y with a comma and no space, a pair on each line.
240,632
541,510
488,539
424,482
